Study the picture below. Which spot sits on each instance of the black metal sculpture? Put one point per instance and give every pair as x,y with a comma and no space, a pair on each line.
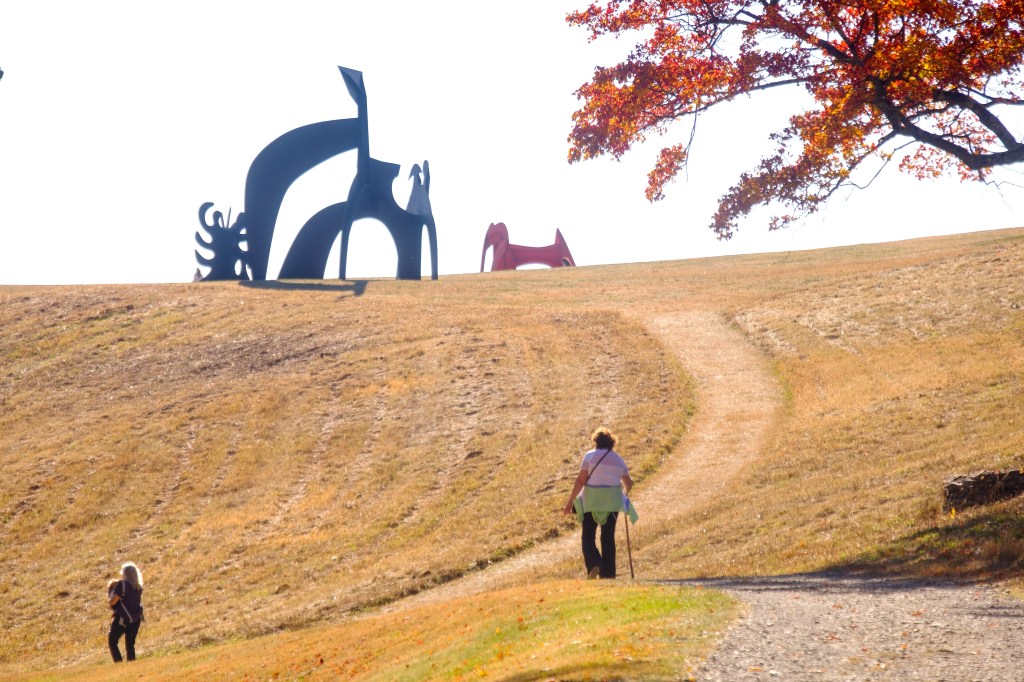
229,257
286,159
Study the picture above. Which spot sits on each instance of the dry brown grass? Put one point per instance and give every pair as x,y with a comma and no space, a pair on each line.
278,456
274,457
897,380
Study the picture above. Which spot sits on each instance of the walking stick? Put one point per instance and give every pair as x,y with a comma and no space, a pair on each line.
629,550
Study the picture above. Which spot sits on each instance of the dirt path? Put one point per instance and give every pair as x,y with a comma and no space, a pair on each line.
822,627
733,385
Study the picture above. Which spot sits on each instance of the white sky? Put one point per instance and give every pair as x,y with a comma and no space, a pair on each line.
118,119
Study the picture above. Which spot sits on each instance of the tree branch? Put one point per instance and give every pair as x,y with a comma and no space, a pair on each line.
902,125
745,91
987,118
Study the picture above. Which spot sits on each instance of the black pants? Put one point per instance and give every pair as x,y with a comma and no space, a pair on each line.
605,559
130,631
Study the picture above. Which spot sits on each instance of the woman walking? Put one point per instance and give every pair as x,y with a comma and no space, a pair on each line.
125,597
603,481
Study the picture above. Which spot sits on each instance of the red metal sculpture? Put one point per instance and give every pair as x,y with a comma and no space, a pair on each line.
511,256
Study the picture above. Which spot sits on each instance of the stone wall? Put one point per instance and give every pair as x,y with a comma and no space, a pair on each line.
982,488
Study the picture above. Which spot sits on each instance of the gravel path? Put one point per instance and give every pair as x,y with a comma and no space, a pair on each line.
831,626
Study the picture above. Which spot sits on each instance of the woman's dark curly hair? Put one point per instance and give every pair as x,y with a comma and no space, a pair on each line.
603,438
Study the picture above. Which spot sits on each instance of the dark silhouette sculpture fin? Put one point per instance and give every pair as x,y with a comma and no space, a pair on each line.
203,242
354,83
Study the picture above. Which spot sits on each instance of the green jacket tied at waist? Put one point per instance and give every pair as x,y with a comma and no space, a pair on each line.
602,500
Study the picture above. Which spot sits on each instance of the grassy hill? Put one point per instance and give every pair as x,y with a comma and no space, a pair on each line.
287,455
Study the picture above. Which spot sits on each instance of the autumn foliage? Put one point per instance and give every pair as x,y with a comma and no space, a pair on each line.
928,82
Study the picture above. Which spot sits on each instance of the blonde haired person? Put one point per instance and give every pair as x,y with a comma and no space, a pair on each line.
125,598
603,481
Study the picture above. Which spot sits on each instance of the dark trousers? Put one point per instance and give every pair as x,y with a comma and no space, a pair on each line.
605,559
130,631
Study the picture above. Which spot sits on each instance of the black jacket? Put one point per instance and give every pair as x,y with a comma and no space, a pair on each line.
129,605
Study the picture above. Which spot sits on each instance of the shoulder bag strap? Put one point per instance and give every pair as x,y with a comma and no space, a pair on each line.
591,472
120,602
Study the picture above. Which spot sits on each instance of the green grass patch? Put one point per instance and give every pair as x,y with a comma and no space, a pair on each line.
566,630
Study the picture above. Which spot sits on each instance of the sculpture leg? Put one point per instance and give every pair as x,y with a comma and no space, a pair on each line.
410,253
342,265
432,237
307,257
407,231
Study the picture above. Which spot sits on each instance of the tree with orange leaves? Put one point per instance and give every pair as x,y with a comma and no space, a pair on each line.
931,81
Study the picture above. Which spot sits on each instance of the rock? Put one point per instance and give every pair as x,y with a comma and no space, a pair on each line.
982,488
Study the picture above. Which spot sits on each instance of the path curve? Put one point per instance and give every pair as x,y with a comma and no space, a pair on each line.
733,385
820,627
